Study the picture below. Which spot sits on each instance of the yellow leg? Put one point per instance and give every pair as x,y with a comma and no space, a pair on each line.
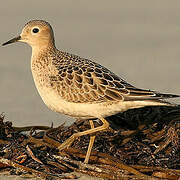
70,140
91,142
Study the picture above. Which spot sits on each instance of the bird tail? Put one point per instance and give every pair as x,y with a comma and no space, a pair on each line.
144,94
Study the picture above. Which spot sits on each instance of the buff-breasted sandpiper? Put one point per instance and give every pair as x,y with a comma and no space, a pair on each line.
79,87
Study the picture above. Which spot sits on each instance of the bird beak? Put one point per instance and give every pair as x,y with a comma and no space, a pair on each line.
12,40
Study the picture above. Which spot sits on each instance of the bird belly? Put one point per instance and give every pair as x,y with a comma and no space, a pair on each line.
79,110
87,110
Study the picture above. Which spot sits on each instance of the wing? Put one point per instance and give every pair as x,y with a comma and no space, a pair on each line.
80,80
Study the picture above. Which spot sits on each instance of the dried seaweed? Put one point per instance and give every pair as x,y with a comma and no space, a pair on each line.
142,143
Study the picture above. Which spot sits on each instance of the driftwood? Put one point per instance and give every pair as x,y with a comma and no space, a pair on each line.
141,144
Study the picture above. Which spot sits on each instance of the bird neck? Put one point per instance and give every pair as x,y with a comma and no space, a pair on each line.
38,50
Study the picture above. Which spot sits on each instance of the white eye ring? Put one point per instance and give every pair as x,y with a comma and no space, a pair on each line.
35,30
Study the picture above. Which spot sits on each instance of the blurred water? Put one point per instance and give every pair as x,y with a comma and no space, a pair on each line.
138,40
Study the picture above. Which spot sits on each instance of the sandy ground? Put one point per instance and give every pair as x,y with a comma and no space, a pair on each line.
138,40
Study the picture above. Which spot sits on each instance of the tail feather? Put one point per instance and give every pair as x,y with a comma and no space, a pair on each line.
141,94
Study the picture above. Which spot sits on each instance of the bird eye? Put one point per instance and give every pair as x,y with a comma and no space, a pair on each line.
35,30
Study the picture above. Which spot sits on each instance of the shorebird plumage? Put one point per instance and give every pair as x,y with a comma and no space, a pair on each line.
79,87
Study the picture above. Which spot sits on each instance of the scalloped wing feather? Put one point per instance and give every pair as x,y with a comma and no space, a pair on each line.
81,80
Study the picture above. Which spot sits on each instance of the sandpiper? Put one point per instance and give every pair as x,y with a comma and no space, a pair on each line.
79,87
